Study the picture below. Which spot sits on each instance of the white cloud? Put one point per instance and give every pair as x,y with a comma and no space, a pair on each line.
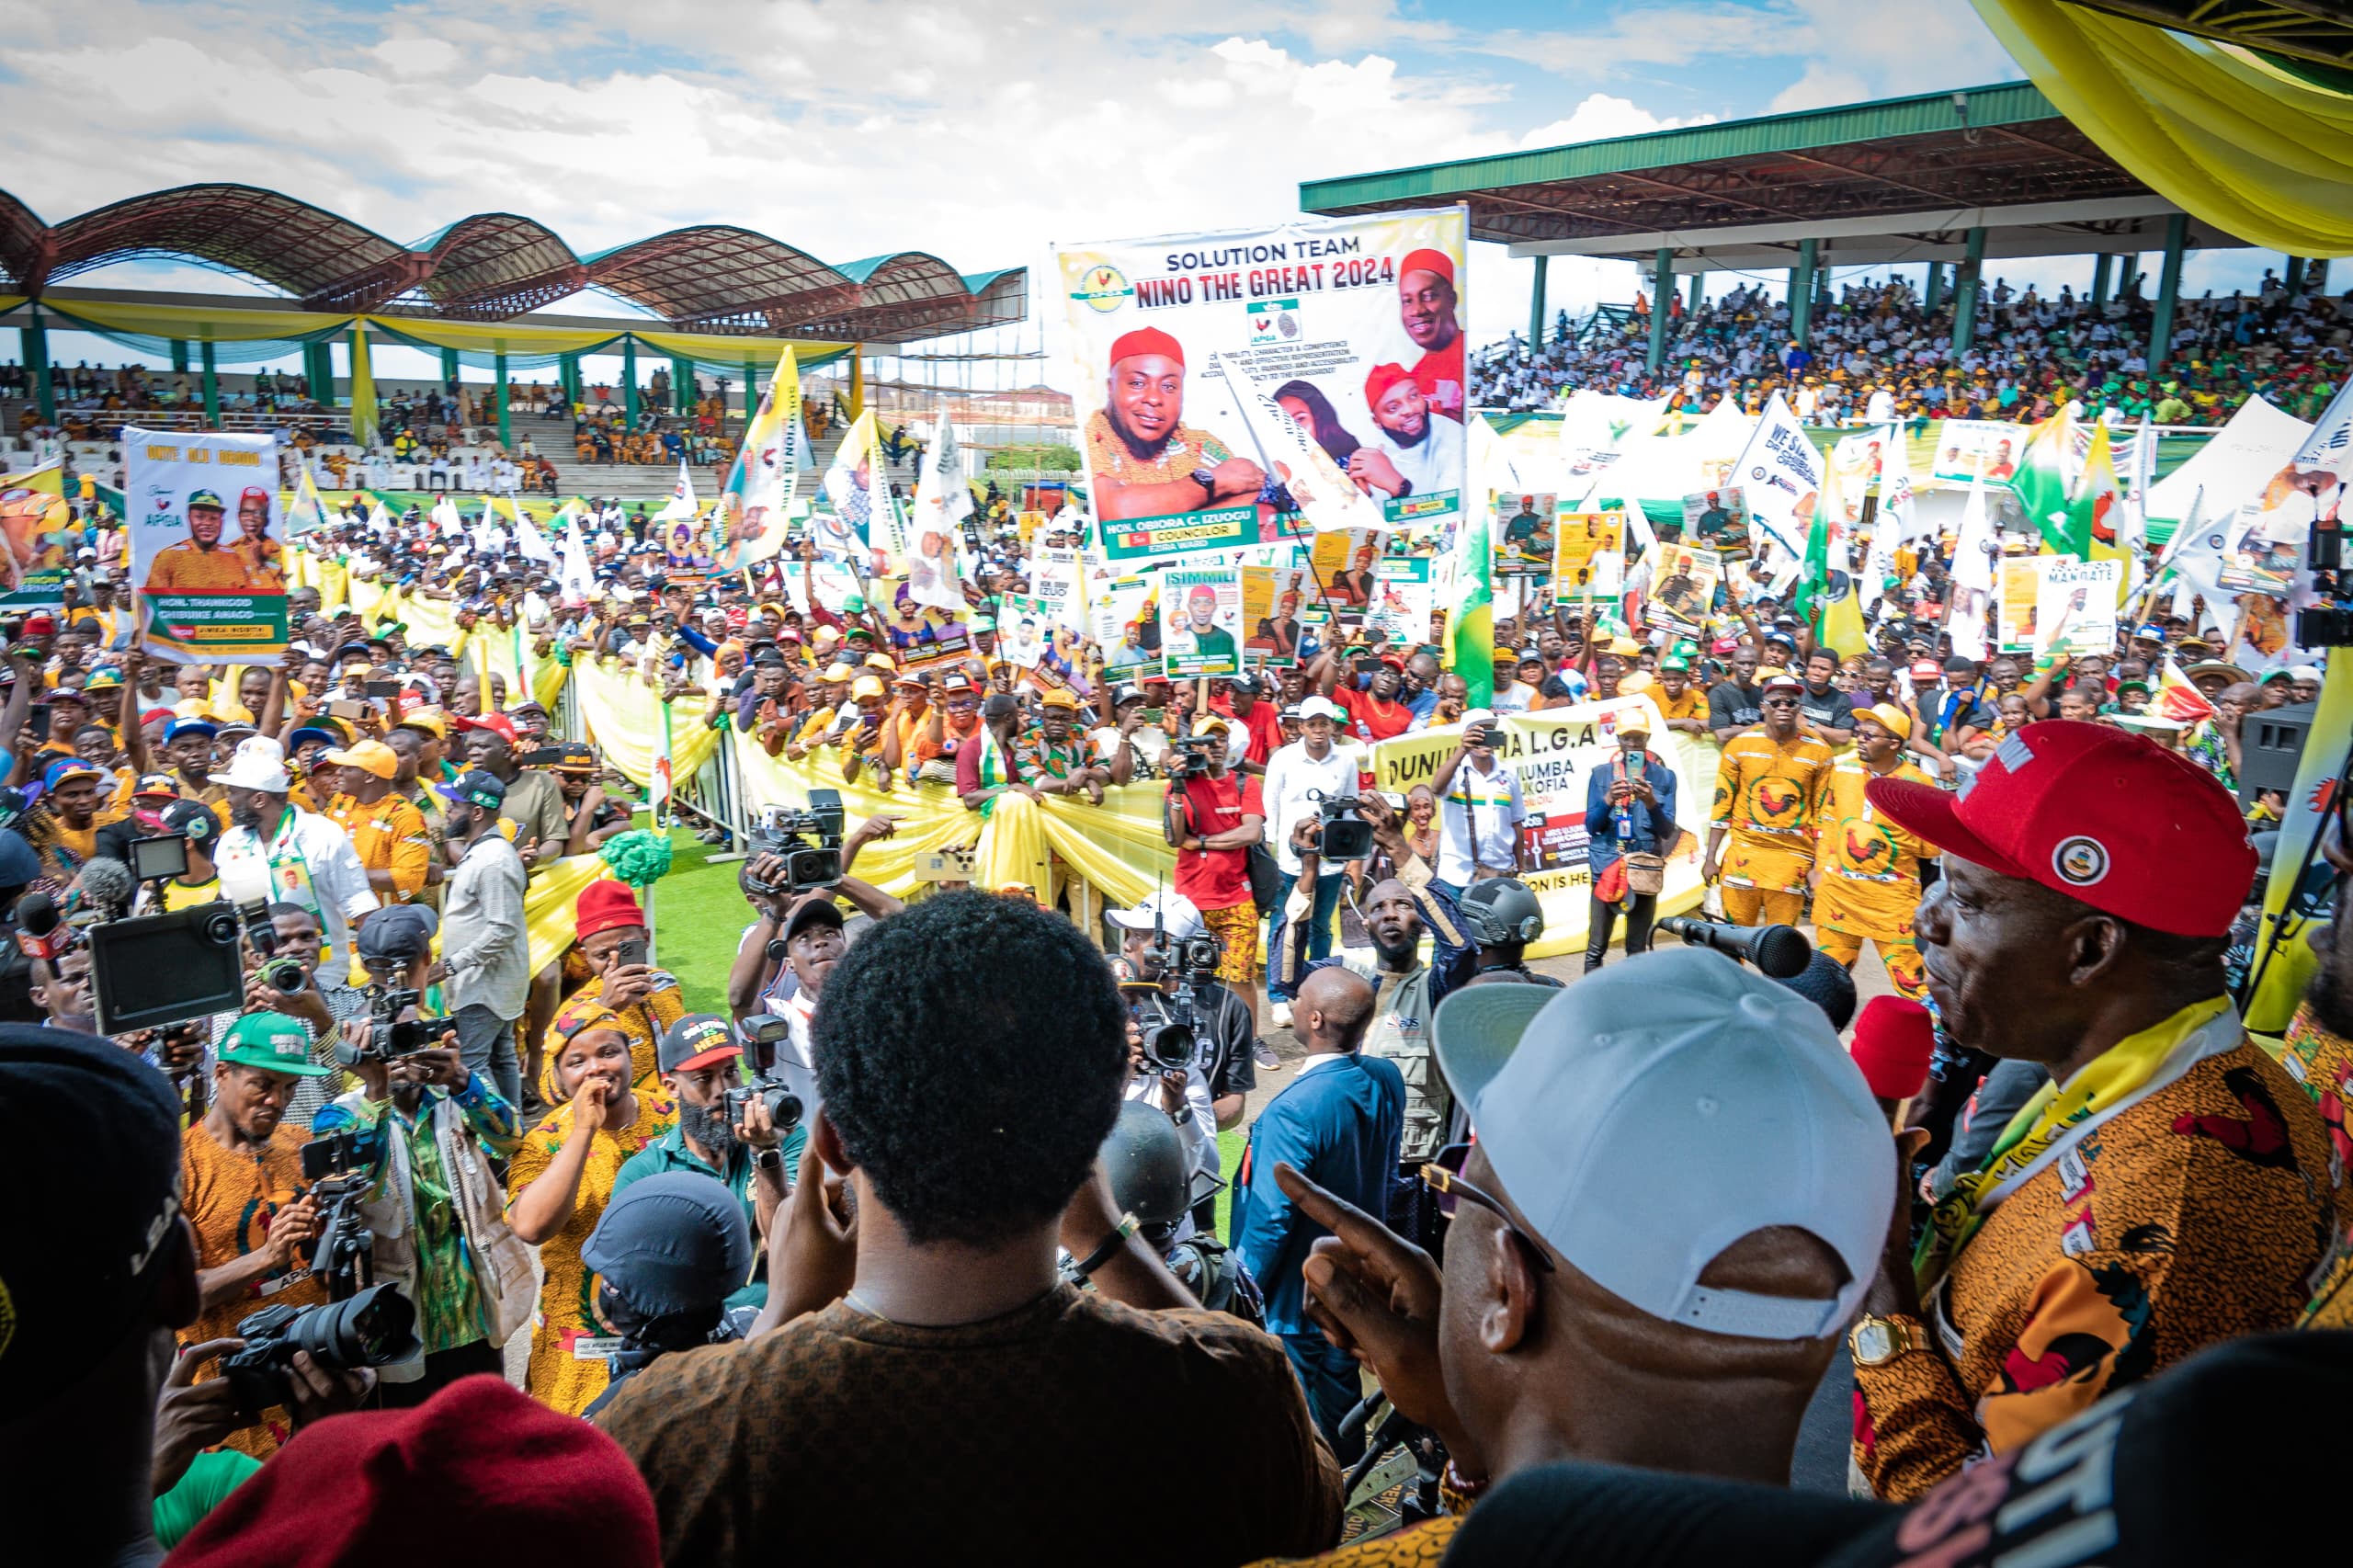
1601,117
1822,86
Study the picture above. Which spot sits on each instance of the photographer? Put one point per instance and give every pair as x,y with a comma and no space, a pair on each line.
437,1211
243,1190
735,1143
627,992
1480,809
289,981
763,978
1630,810
1213,816
486,957
1298,778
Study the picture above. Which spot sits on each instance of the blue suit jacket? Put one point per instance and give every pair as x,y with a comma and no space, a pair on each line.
1341,1125
1654,823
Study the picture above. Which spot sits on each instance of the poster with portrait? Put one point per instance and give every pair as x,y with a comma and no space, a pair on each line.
1346,566
1586,554
42,536
921,634
1201,620
1683,589
1126,616
1523,526
1717,519
2074,606
1024,630
1055,579
2018,590
1963,444
2256,562
1225,380
208,550
1400,606
1270,616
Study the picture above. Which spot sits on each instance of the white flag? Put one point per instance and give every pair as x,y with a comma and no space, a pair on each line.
1780,472
681,503
1895,523
577,580
942,502
1973,573
532,542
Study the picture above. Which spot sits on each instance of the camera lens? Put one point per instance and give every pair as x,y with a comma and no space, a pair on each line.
221,929
371,1329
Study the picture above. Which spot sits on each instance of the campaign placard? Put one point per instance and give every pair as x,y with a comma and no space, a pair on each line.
1200,619
41,534
1312,370
1524,529
1965,445
208,546
2074,606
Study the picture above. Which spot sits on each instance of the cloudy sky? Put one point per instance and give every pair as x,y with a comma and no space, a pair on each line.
981,131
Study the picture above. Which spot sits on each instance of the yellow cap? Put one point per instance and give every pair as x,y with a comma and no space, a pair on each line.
838,671
869,686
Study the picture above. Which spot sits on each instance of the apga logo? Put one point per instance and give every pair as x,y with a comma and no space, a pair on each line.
163,509
1103,288
1270,318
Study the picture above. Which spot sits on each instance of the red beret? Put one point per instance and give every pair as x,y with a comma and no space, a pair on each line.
1147,340
1436,261
603,905
1894,1039
1384,377
478,1462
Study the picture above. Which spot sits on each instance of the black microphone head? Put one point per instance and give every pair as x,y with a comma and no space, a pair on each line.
1780,952
37,914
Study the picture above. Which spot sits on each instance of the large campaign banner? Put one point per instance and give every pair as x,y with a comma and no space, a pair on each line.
1227,381
1554,753
41,534
207,545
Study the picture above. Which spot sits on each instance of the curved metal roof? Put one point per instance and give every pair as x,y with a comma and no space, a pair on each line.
497,266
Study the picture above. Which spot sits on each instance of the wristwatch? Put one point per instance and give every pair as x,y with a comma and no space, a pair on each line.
771,1161
1207,480
1876,1341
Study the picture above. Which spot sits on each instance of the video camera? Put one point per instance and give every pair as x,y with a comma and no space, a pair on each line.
2328,622
390,1036
341,1169
373,1328
809,841
1170,1021
1188,755
1344,835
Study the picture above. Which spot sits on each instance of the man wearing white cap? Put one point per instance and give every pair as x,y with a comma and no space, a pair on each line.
276,851
1678,1194
1298,778
1208,1097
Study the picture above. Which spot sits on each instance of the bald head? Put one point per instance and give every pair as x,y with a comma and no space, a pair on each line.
1331,1011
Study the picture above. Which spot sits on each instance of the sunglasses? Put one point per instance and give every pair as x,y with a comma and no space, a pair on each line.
1443,1175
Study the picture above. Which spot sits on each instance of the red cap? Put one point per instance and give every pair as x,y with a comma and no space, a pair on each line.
2107,818
1147,340
253,492
478,1462
1894,1037
1928,670
499,725
1384,377
1436,261
38,623
603,905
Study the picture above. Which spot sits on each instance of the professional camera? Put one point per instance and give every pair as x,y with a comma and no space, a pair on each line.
809,843
391,1037
341,1169
1188,755
784,1106
283,975
2327,622
1170,1020
371,1329
1345,836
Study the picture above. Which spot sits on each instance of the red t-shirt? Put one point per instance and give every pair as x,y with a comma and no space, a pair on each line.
1264,725
1218,878
1375,720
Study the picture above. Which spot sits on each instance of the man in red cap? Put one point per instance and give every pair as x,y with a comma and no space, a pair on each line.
534,800
1426,302
2169,1188
1147,462
264,557
1411,453
626,993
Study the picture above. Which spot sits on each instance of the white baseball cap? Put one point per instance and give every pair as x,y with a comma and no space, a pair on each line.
1171,911
258,763
1320,707
1651,1115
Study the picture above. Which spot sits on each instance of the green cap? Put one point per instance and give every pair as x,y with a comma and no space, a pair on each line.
273,1042
1674,662
985,623
854,605
207,498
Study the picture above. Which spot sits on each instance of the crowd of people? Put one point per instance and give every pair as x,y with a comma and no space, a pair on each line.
1875,353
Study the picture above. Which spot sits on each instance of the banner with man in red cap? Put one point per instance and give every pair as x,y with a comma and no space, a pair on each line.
206,591
1239,388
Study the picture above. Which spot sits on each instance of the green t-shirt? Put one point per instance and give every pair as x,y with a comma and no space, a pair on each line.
212,1476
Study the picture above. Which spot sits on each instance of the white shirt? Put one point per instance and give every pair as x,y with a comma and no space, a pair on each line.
1479,818
1514,698
1198,1132
1292,778
338,882
1433,463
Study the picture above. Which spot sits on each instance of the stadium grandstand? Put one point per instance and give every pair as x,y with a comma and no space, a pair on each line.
1940,184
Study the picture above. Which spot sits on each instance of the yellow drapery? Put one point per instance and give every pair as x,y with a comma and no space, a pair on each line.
2212,128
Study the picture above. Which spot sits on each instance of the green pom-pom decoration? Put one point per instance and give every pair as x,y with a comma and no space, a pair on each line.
639,857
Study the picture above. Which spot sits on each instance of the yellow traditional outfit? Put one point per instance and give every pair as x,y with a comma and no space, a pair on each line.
1870,877
1767,797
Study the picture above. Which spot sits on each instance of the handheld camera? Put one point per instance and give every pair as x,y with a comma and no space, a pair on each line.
809,841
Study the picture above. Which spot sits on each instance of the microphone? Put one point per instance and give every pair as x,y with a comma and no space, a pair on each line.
1778,951
40,935
103,889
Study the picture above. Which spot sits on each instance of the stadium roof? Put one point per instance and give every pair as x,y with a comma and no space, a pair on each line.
1901,179
498,266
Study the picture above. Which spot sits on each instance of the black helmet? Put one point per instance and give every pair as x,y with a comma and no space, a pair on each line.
1501,911
1151,1178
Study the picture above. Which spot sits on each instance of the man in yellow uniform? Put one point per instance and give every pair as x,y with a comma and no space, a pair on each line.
1867,871
197,564
388,832
1768,791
